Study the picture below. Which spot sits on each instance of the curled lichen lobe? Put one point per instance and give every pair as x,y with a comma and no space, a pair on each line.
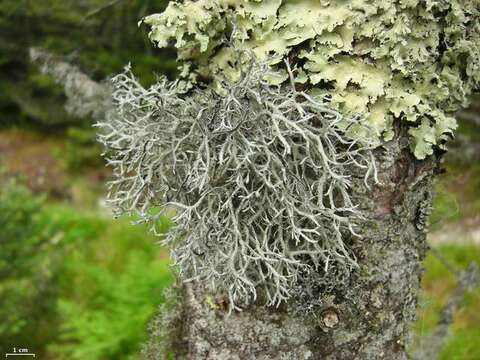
413,60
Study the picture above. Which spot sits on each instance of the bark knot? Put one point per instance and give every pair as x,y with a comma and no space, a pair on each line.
330,318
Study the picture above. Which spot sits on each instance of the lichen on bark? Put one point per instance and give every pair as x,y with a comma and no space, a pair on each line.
416,61
405,67
367,317
391,71
259,178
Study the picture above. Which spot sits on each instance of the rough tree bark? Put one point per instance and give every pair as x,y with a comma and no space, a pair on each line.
369,318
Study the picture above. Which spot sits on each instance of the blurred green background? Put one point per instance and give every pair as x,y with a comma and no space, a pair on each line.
76,284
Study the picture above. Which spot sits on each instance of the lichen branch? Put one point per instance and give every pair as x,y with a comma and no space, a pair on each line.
259,178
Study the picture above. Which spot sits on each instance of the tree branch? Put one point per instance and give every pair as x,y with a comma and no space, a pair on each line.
86,97
101,8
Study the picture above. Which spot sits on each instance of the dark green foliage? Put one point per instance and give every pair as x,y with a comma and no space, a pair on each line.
74,281
101,40
17,207
29,264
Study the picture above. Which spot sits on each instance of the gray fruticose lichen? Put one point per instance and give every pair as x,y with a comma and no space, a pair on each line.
258,176
278,105
411,60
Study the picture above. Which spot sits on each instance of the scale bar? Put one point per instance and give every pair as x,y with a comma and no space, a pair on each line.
19,354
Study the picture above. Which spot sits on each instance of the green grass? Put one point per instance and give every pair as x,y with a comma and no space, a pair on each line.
438,283
111,284
76,284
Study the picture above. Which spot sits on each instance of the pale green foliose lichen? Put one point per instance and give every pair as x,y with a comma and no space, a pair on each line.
410,60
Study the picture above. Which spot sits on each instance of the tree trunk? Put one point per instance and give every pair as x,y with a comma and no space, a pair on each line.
369,317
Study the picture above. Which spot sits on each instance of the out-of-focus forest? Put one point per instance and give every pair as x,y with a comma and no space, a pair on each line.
74,283
77,284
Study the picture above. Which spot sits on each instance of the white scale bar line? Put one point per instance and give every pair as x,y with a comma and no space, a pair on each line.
19,354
